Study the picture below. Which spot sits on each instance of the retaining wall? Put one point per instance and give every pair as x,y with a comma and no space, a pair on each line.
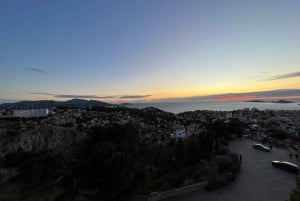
155,196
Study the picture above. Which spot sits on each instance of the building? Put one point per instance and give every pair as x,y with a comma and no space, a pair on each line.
31,113
178,134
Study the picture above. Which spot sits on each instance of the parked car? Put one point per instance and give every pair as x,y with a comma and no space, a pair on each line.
291,167
261,147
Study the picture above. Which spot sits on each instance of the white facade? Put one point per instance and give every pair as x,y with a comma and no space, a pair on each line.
178,134
228,115
31,113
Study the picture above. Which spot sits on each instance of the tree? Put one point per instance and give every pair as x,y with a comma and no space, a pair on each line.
109,160
40,170
295,195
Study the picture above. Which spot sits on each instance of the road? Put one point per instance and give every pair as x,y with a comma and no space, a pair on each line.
257,181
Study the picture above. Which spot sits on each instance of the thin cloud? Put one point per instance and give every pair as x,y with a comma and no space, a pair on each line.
134,96
41,93
260,95
285,76
72,95
36,70
81,96
107,96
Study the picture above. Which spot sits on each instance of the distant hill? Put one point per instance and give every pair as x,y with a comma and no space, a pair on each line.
256,101
282,101
261,101
74,103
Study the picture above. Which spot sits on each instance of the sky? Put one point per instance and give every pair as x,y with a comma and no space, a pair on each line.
147,50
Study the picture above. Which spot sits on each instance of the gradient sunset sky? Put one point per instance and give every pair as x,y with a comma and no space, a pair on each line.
142,50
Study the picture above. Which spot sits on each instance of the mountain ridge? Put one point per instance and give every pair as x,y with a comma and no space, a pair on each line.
46,104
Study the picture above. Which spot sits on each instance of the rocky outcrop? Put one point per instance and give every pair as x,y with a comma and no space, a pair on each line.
47,137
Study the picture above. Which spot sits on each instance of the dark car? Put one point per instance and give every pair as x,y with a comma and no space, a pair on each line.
261,147
291,167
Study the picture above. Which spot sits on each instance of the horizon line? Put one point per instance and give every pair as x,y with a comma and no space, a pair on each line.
289,94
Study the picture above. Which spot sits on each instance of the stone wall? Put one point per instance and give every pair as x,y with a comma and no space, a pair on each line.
155,196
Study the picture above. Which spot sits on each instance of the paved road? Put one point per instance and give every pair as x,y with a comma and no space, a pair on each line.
258,180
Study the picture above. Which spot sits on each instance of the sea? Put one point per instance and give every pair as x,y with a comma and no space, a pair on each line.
178,107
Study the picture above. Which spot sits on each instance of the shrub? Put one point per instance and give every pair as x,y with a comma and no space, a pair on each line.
16,198
223,162
223,150
235,168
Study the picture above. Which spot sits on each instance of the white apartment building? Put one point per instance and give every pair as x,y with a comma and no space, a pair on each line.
31,113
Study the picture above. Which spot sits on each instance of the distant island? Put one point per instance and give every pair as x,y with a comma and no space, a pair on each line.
256,101
261,101
283,101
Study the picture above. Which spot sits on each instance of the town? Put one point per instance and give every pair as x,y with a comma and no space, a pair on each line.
157,126
194,143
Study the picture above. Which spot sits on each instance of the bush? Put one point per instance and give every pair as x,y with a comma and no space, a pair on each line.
16,198
224,142
230,177
9,198
223,162
228,167
41,168
235,168
223,150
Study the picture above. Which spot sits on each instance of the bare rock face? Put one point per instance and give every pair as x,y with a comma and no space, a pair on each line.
46,137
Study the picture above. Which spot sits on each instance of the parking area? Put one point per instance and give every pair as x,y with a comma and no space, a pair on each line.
258,179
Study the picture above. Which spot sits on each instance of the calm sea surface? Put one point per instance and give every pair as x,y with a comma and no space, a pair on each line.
177,107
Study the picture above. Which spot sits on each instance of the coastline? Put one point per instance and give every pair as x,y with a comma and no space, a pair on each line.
178,107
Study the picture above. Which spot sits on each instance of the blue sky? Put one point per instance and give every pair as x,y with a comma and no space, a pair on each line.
147,50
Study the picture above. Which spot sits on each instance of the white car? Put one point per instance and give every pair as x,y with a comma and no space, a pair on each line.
291,167
261,147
